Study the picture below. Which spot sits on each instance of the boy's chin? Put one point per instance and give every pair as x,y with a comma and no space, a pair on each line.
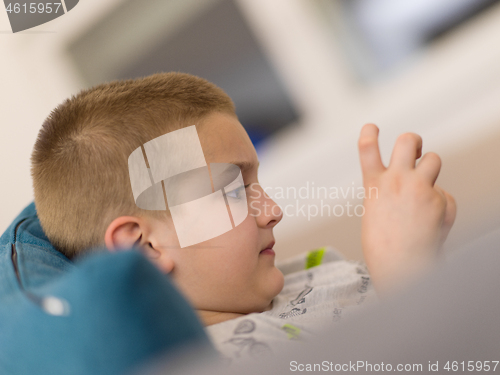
276,283
281,282
272,288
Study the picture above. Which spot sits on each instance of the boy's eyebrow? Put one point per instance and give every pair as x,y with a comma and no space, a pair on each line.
244,165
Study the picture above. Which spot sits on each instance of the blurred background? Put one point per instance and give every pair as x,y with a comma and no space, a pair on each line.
305,76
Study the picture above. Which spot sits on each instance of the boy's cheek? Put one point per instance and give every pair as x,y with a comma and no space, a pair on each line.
255,207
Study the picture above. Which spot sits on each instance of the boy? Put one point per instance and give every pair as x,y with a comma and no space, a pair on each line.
84,199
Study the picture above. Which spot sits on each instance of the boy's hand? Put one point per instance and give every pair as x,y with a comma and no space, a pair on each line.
407,217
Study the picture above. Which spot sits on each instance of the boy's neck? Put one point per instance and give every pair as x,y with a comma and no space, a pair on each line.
213,317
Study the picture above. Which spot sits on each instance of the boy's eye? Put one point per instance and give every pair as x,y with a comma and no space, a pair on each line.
237,193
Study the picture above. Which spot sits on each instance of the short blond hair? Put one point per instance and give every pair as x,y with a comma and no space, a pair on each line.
80,159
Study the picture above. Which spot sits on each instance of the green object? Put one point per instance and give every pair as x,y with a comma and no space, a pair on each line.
314,258
291,331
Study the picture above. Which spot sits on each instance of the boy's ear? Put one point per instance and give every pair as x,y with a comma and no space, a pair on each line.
126,232
123,233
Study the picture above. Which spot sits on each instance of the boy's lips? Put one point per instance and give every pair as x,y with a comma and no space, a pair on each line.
268,248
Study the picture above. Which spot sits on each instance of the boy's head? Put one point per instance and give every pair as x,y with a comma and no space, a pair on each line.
84,198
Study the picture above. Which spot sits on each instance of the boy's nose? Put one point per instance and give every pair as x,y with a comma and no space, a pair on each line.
270,212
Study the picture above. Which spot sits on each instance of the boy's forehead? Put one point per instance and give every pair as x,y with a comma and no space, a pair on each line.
224,140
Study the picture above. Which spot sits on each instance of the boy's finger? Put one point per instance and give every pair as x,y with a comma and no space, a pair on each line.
429,166
407,150
451,207
451,210
449,215
369,153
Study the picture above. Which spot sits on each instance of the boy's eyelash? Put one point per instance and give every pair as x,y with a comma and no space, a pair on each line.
247,185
